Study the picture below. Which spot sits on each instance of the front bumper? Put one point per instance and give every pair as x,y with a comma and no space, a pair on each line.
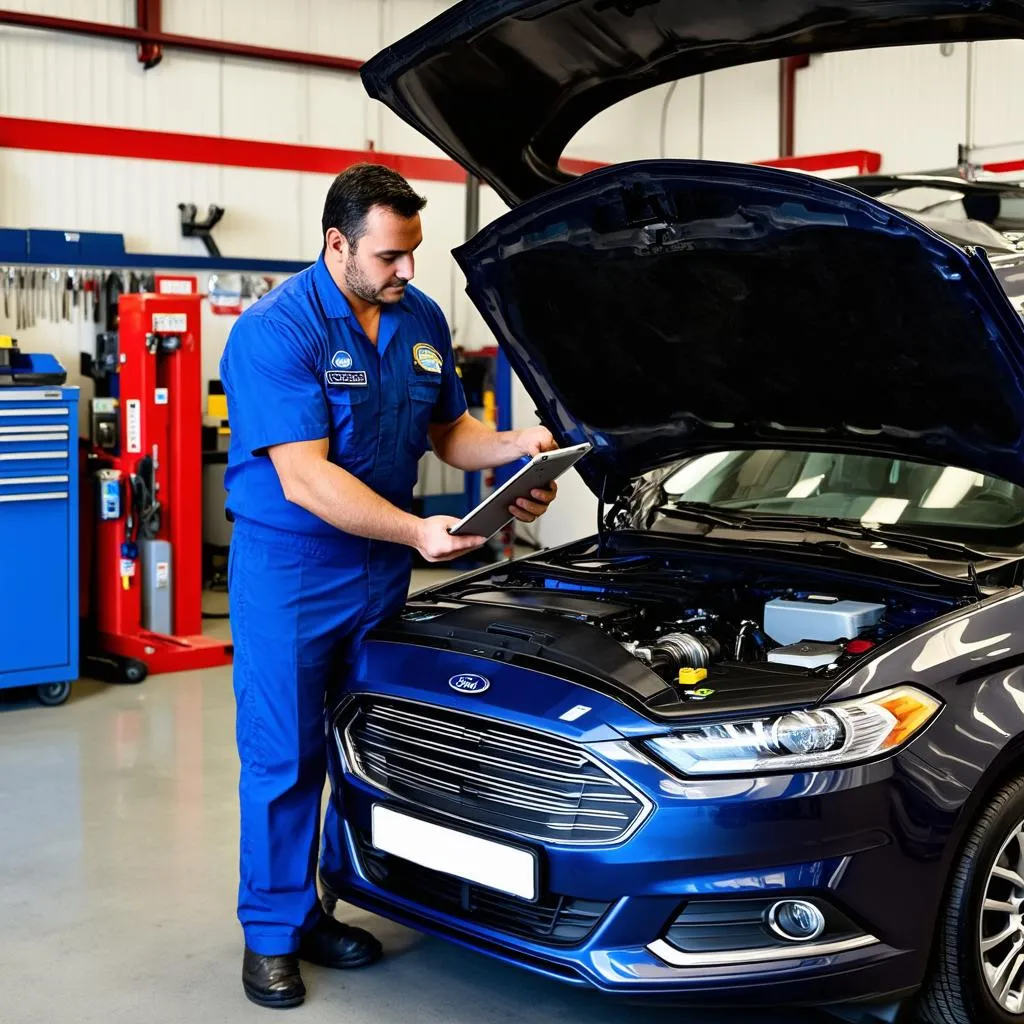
850,840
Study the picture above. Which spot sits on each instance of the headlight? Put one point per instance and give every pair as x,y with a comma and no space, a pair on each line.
836,734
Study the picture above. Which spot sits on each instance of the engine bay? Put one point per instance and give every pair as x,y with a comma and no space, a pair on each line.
801,630
689,628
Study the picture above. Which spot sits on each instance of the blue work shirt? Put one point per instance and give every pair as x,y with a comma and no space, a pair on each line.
298,367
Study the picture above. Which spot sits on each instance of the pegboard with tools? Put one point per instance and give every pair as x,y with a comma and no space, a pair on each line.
71,295
49,276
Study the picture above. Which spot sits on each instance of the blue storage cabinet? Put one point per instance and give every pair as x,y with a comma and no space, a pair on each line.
39,540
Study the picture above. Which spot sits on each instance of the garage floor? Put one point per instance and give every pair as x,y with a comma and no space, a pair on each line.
118,846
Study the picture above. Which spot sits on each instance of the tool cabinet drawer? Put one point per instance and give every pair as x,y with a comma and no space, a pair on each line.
43,459
36,578
22,489
18,418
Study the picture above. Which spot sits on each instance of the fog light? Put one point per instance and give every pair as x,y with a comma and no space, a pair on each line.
796,920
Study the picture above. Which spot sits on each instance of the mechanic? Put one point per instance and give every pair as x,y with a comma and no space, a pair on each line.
337,382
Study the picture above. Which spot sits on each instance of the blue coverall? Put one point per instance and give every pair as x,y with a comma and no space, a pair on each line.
298,367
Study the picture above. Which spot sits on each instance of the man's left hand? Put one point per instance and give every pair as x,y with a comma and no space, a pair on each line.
534,440
526,510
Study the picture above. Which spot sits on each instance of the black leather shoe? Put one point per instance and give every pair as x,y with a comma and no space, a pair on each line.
330,943
272,981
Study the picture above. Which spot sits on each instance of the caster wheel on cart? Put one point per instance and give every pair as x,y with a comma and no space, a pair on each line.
133,671
52,694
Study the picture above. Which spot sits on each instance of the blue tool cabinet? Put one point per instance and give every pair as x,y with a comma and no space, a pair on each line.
39,540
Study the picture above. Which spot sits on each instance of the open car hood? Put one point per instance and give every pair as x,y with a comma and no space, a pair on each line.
502,86
662,309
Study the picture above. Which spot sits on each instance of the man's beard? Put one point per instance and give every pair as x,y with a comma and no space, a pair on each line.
357,283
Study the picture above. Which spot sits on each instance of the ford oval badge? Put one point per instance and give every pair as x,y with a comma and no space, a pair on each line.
469,683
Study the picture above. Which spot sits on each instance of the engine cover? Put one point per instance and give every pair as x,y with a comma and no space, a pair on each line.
789,621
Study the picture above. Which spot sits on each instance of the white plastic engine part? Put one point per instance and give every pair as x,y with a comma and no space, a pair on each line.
808,655
789,621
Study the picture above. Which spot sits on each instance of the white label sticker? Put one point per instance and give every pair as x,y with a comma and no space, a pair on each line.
134,407
173,287
160,396
171,322
127,567
163,575
573,713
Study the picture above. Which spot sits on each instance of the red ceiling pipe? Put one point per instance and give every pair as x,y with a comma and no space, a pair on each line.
196,44
788,67
147,17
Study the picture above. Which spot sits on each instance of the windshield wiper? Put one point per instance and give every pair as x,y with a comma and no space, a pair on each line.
841,527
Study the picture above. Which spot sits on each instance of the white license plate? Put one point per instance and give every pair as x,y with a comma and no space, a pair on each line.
481,861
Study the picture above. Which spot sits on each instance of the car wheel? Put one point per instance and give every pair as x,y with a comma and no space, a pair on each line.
977,971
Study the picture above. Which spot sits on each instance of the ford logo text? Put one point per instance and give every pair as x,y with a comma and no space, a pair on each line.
469,683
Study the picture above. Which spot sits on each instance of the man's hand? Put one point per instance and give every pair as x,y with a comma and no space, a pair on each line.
534,440
436,544
527,510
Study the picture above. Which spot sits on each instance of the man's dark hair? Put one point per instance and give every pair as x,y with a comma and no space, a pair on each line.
362,186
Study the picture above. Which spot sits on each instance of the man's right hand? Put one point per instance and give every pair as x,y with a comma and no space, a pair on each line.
436,544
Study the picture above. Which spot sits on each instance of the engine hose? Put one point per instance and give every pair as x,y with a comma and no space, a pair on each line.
682,650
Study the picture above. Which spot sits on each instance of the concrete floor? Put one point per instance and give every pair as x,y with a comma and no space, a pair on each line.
118,858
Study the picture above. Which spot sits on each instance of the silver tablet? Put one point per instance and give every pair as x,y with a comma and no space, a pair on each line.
492,513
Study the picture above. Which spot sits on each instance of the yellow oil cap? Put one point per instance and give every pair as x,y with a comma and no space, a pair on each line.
6,341
692,676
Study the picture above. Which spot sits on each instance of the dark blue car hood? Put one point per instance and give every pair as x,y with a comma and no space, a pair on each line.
659,310
503,85
667,308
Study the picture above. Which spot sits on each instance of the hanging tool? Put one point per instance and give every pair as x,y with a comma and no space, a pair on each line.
6,288
19,300
193,228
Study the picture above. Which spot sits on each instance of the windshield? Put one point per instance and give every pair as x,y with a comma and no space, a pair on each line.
861,488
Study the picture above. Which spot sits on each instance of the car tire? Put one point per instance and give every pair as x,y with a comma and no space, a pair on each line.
957,990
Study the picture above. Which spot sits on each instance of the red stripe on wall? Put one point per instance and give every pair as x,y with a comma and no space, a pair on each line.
134,143
1004,167
865,160
96,140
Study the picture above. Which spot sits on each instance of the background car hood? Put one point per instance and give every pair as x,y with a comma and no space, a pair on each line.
666,308
541,69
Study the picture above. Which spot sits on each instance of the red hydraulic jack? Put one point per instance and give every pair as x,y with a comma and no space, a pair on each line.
147,463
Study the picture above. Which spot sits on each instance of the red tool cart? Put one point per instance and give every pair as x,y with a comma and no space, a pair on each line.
145,514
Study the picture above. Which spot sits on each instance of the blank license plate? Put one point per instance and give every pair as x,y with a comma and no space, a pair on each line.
482,861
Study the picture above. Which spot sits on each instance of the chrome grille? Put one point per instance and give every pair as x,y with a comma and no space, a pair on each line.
489,773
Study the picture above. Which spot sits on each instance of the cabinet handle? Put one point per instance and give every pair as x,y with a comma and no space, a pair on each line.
42,496
33,395
22,438
12,413
37,428
13,481
31,456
